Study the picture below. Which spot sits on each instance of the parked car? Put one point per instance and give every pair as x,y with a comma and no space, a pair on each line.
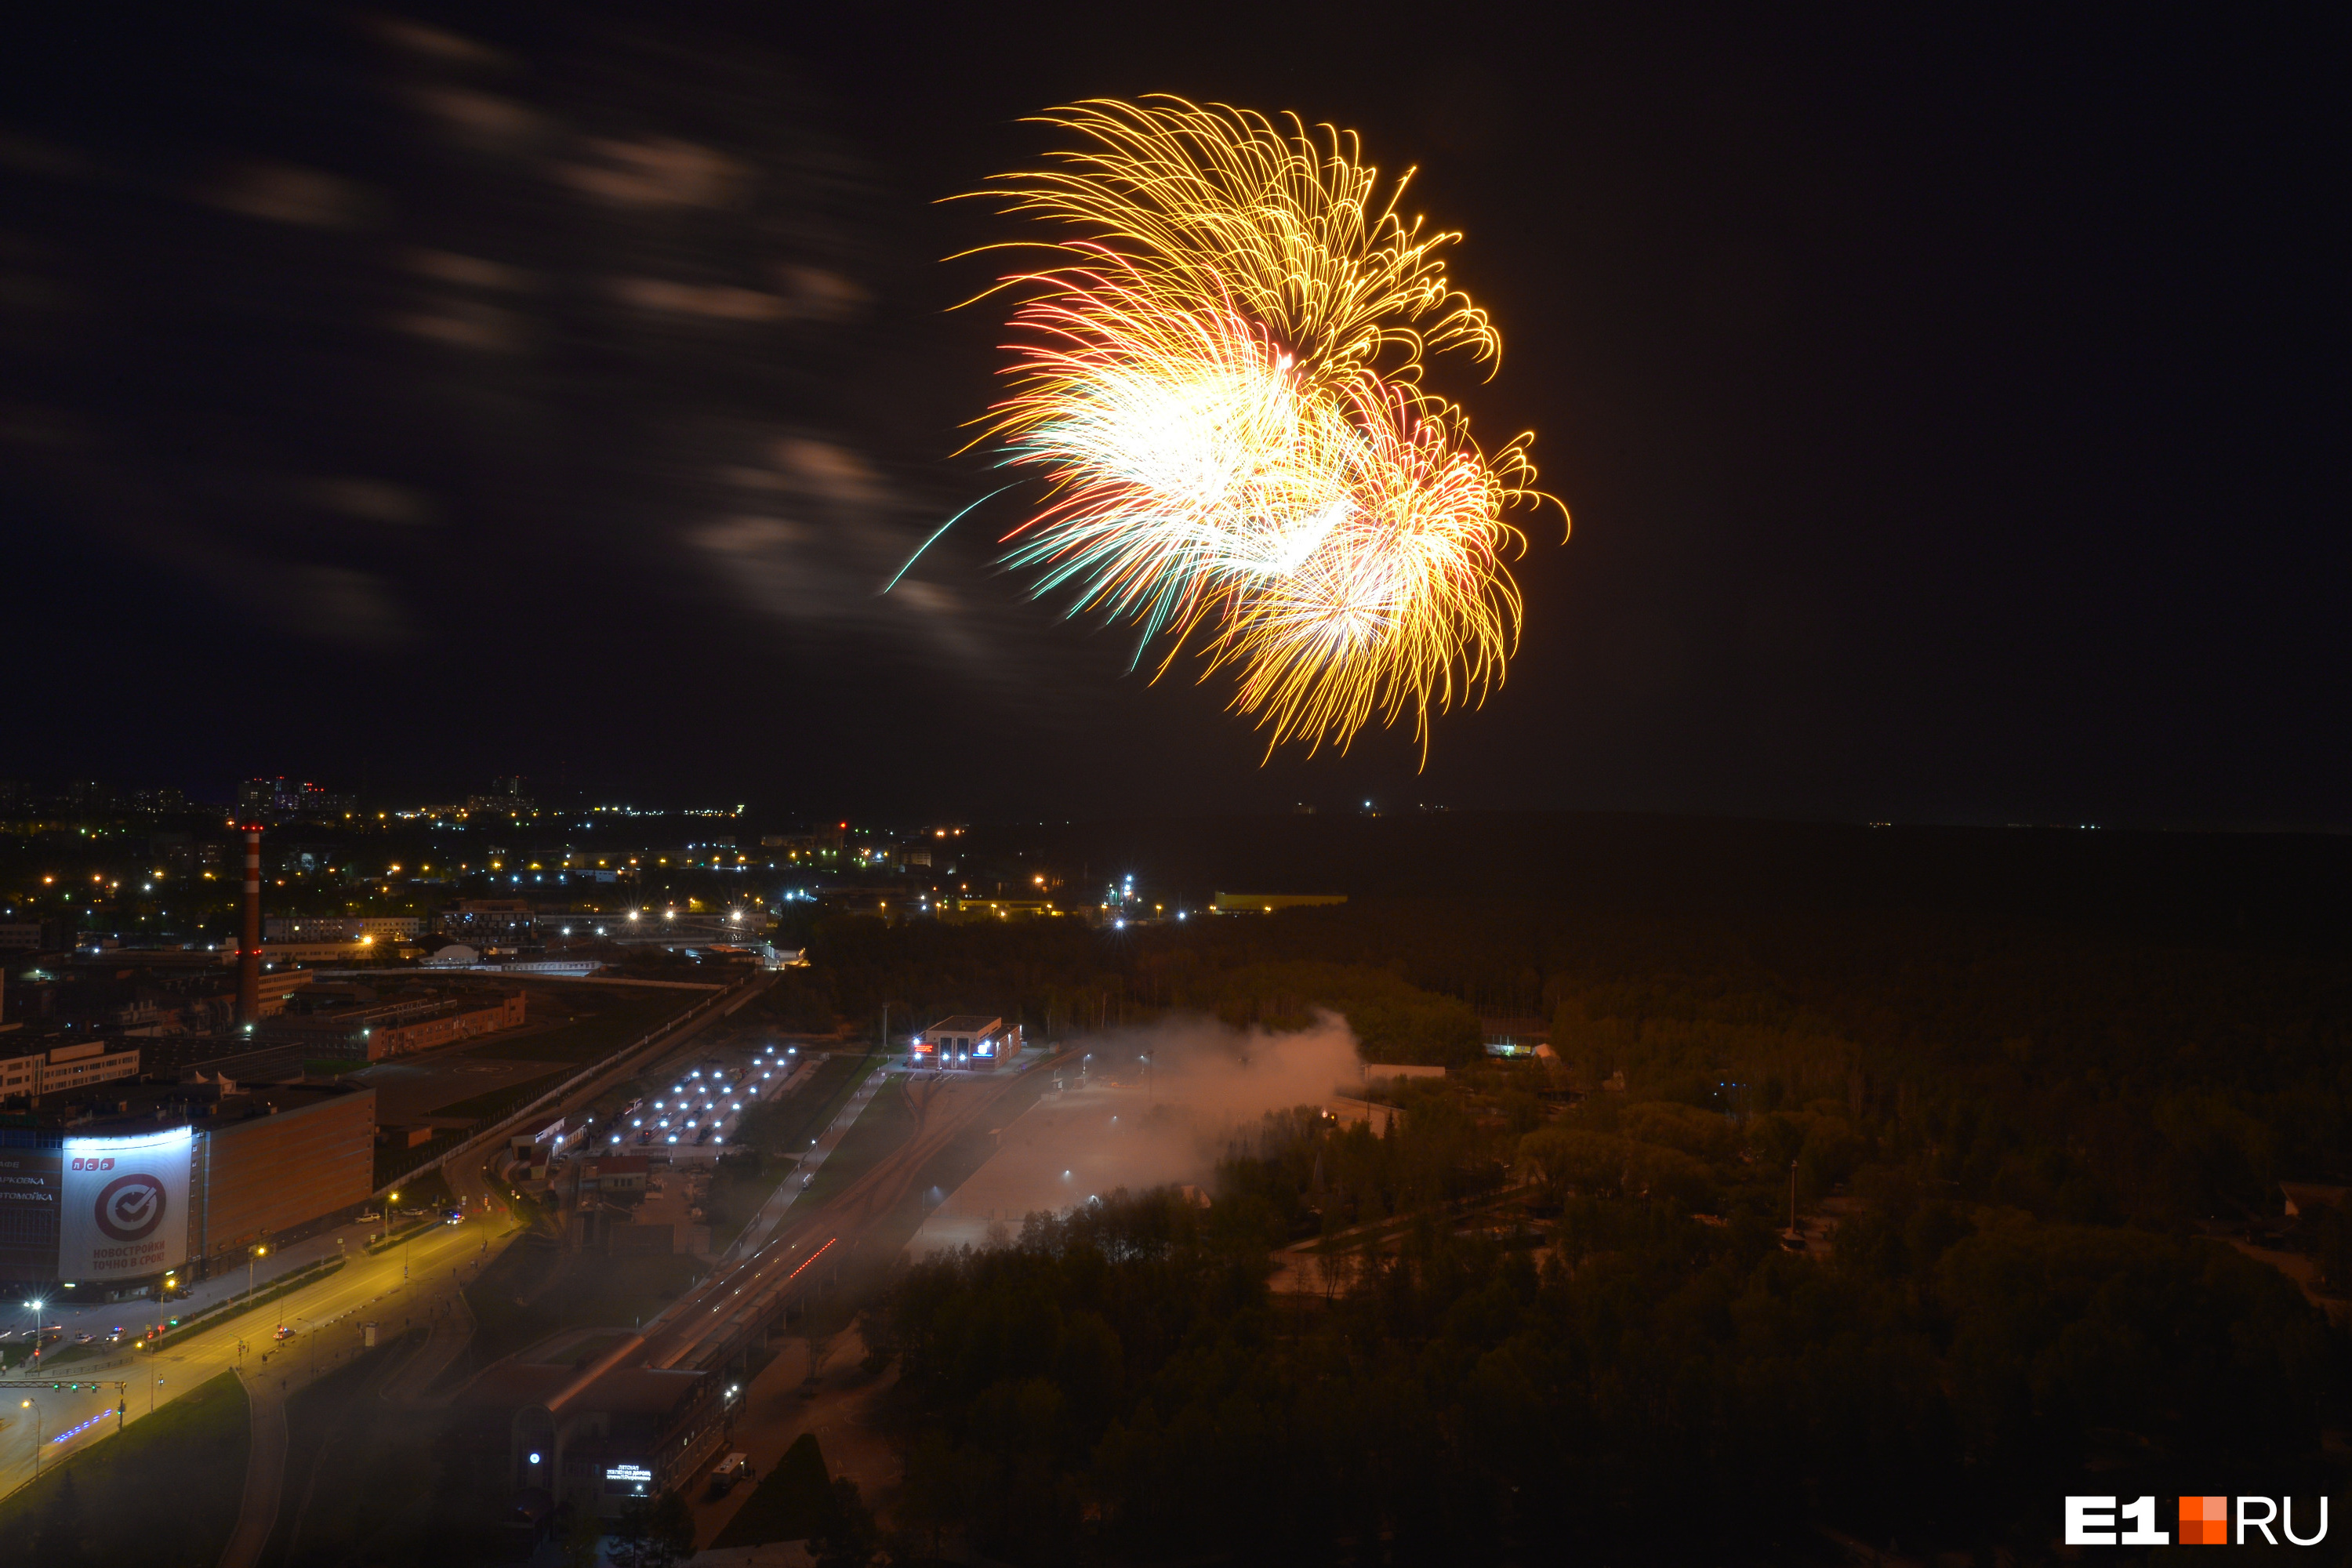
733,1468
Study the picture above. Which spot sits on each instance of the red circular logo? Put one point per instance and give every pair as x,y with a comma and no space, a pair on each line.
131,1207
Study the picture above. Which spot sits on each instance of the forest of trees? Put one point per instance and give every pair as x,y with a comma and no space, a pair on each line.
1568,1324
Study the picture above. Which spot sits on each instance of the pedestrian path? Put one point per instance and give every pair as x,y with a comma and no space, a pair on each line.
771,1213
265,1466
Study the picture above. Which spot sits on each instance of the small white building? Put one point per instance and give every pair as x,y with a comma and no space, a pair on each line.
966,1040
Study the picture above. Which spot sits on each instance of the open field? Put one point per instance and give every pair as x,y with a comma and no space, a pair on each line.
887,1123
601,1024
371,1481
165,1492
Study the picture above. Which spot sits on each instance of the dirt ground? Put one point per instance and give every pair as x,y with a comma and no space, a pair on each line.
817,1387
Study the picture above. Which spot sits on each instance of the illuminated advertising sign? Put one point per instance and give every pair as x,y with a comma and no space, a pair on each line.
124,1209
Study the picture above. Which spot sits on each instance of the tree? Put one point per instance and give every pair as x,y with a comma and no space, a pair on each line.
669,1534
630,1533
657,1534
932,1497
583,1532
847,1538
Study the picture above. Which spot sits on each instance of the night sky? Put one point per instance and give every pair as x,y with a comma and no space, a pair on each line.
1950,409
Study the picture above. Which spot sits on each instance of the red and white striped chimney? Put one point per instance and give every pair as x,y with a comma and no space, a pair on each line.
248,948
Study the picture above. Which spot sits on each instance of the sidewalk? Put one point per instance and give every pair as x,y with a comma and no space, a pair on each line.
98,1316
771,1213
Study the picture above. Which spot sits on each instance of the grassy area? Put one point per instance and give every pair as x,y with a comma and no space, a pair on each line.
616,1022
777,1134
165,1492
496,1103
887,1123
786,1125
371,1482
740,1185
790,1503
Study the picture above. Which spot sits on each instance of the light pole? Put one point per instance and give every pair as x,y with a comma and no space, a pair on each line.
36,1438
389,1200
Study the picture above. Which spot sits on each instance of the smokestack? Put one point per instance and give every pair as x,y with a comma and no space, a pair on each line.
248,948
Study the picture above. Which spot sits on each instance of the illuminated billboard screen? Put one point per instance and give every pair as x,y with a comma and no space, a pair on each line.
125,1208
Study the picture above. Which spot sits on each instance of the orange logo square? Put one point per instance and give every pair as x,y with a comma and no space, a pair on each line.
2204,1522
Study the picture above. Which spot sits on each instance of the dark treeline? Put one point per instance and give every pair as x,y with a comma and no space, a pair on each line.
1643,1387
2080,1073
1552,1315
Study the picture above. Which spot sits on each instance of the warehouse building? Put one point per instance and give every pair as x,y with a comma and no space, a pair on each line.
113,1193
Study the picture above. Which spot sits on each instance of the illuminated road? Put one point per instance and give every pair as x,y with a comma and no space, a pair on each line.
943,1107
326,1317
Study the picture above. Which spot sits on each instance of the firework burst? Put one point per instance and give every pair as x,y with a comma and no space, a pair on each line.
1219,371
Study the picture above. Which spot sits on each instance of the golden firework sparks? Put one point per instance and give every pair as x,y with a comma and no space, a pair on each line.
1219,370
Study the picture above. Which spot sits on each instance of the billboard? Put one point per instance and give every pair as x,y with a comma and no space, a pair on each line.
125,1207
29,1212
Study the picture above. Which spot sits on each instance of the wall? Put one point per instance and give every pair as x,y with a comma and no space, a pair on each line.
274,1172
401,1039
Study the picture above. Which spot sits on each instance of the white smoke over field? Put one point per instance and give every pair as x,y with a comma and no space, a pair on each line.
1148,1106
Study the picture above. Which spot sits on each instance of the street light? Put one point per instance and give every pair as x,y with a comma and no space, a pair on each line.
35,1409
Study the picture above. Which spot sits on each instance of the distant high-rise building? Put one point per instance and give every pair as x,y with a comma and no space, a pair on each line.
268,800
506,799
281,800
88,796
318,804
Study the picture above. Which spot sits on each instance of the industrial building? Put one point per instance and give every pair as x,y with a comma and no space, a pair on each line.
352,1023
489,925
275,1159
1267,903
36,1073
598,1438
382,928
113,1193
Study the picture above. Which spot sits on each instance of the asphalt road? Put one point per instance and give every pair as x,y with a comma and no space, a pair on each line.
403,1283
943,1107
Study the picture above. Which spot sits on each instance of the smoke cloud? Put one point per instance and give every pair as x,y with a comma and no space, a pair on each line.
1153,1107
